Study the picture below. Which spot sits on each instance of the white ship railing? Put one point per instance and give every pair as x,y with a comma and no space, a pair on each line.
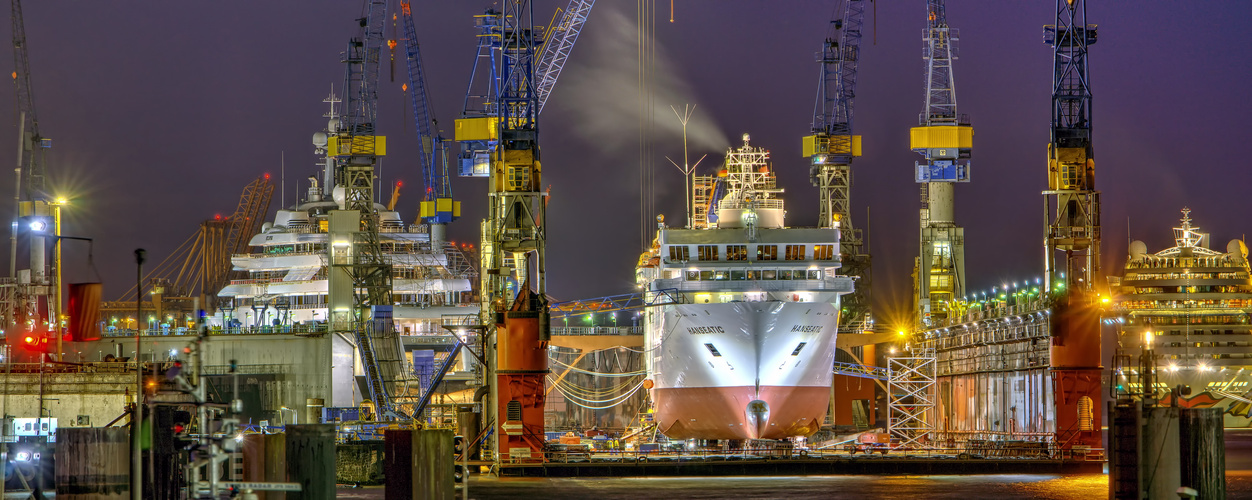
597,330
827,285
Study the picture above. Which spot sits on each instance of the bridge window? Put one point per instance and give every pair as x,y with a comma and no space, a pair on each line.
814,274
693,275
738,275
795,252
713,350
679,253
707,252
767,252
786,274
736,252
824,252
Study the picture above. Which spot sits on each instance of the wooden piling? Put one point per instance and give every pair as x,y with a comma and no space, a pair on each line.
1202,451
310,454
419,465
93,463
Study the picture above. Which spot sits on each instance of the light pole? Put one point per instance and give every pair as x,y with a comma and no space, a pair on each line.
136,418
56,262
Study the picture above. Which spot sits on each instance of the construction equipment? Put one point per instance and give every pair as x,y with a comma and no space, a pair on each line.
475,128
358,266
200,267
438,206
1072,209
514,239
944,139
29,303
832,147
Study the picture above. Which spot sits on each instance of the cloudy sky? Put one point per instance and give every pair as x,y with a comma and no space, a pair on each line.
161,112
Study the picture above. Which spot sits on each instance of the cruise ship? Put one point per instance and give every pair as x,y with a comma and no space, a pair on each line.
283,282
286,274
1196,303
745,349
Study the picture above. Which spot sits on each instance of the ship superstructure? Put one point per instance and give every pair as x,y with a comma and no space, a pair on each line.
1194,305
286,282
746,350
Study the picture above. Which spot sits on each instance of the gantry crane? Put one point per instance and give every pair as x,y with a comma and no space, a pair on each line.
438,207
1072,209
360,278
483,93
944,139
832,147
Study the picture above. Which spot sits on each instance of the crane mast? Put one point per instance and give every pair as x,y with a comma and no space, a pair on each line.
1072,205
1072,213
360,297
832,147
944,139
513,248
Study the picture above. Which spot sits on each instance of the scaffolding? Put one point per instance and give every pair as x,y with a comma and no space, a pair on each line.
911,398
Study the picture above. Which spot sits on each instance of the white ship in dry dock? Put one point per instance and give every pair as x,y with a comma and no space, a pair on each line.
1197,302
747,354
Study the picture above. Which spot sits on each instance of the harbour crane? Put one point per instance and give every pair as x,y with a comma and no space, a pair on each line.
514,239
31,198
944,138
438,207
474,129
832,146
1072,210
360,292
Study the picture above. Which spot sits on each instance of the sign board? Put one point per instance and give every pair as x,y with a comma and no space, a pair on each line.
262,486
519,453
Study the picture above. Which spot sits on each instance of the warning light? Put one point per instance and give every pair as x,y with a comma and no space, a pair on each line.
178,428
267,177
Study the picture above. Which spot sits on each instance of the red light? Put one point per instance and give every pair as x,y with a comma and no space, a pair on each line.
267,177
186,350
399,183
178,428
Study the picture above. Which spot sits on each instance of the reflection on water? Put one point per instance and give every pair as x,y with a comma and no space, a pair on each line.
1000,486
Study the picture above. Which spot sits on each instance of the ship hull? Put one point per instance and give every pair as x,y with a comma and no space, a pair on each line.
742,370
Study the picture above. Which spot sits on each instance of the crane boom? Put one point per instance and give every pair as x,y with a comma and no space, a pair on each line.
832,147
437,205
475,129
557,47
31,159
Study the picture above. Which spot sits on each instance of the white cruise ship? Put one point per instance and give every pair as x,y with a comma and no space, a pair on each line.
746,351
286,284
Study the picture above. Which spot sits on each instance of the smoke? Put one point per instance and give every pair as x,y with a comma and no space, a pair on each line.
602,93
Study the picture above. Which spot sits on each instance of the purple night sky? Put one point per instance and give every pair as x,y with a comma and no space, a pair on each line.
161,112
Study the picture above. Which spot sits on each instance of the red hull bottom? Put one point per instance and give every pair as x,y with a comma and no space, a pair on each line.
720,412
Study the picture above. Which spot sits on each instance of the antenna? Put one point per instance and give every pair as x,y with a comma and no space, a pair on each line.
686,169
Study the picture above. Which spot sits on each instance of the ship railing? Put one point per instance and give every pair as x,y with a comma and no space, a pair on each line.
860,371
597,330
825,285
297,329
255,255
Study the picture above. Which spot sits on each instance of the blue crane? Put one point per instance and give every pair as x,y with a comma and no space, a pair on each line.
832,146
477,126
438,206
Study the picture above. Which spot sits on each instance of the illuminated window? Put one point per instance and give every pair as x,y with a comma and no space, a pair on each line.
679,253
707,252
824,252
767,252
736,252
518,178
795,252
